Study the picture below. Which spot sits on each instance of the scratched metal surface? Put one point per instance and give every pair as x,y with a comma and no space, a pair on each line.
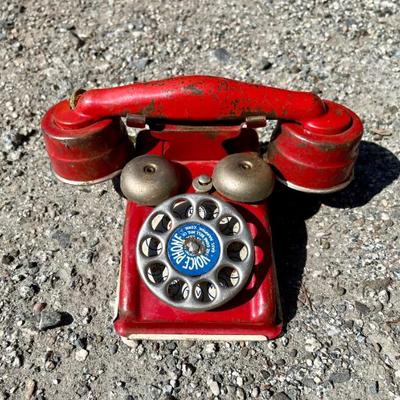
337,256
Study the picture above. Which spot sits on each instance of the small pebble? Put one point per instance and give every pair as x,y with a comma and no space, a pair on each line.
142,63
271,345
335,273
385,217
340,377
30,389
171,346
362,308
27,291
214,387
210,348
265,64
325,245
81,355
284,341
240,394
383,296
7,259
50,319
222,55
341,291
113,349
188,370
374,388
38,307
293,352
265,373
168,389
255,392
312,345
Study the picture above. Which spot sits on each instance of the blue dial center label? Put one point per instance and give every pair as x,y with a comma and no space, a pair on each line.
193,249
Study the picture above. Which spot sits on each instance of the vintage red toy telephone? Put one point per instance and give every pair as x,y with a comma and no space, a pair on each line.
197,257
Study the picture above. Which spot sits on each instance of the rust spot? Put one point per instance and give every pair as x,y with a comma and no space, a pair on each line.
235,103
271,115
193,89
212,135
336,146
149,108
272,152
215,96
257,112
222,86
285,112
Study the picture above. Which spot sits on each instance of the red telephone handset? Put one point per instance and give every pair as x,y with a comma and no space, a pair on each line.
197,254
194,99
314,147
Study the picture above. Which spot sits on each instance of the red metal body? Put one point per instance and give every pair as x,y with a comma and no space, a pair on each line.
255,312
317,160
314,147
195,121
87,154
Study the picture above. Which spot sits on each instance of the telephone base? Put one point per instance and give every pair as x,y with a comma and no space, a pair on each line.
254,314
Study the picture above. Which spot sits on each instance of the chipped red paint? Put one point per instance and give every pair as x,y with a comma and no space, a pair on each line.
254,311
194,122
89,153
321,154
191,99
329,131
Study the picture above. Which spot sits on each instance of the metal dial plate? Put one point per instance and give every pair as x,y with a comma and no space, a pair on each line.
195,252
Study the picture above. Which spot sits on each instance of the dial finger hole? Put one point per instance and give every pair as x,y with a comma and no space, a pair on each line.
237,251
151,247
182,209
228,277
229,225
205,292
161,223
178,290
157,273
208,210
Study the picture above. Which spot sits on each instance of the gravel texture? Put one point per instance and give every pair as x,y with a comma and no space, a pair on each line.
337,255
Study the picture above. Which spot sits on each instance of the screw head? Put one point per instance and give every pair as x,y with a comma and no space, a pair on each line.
204,179
202,183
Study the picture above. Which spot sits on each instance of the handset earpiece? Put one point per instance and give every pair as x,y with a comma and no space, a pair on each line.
84,154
